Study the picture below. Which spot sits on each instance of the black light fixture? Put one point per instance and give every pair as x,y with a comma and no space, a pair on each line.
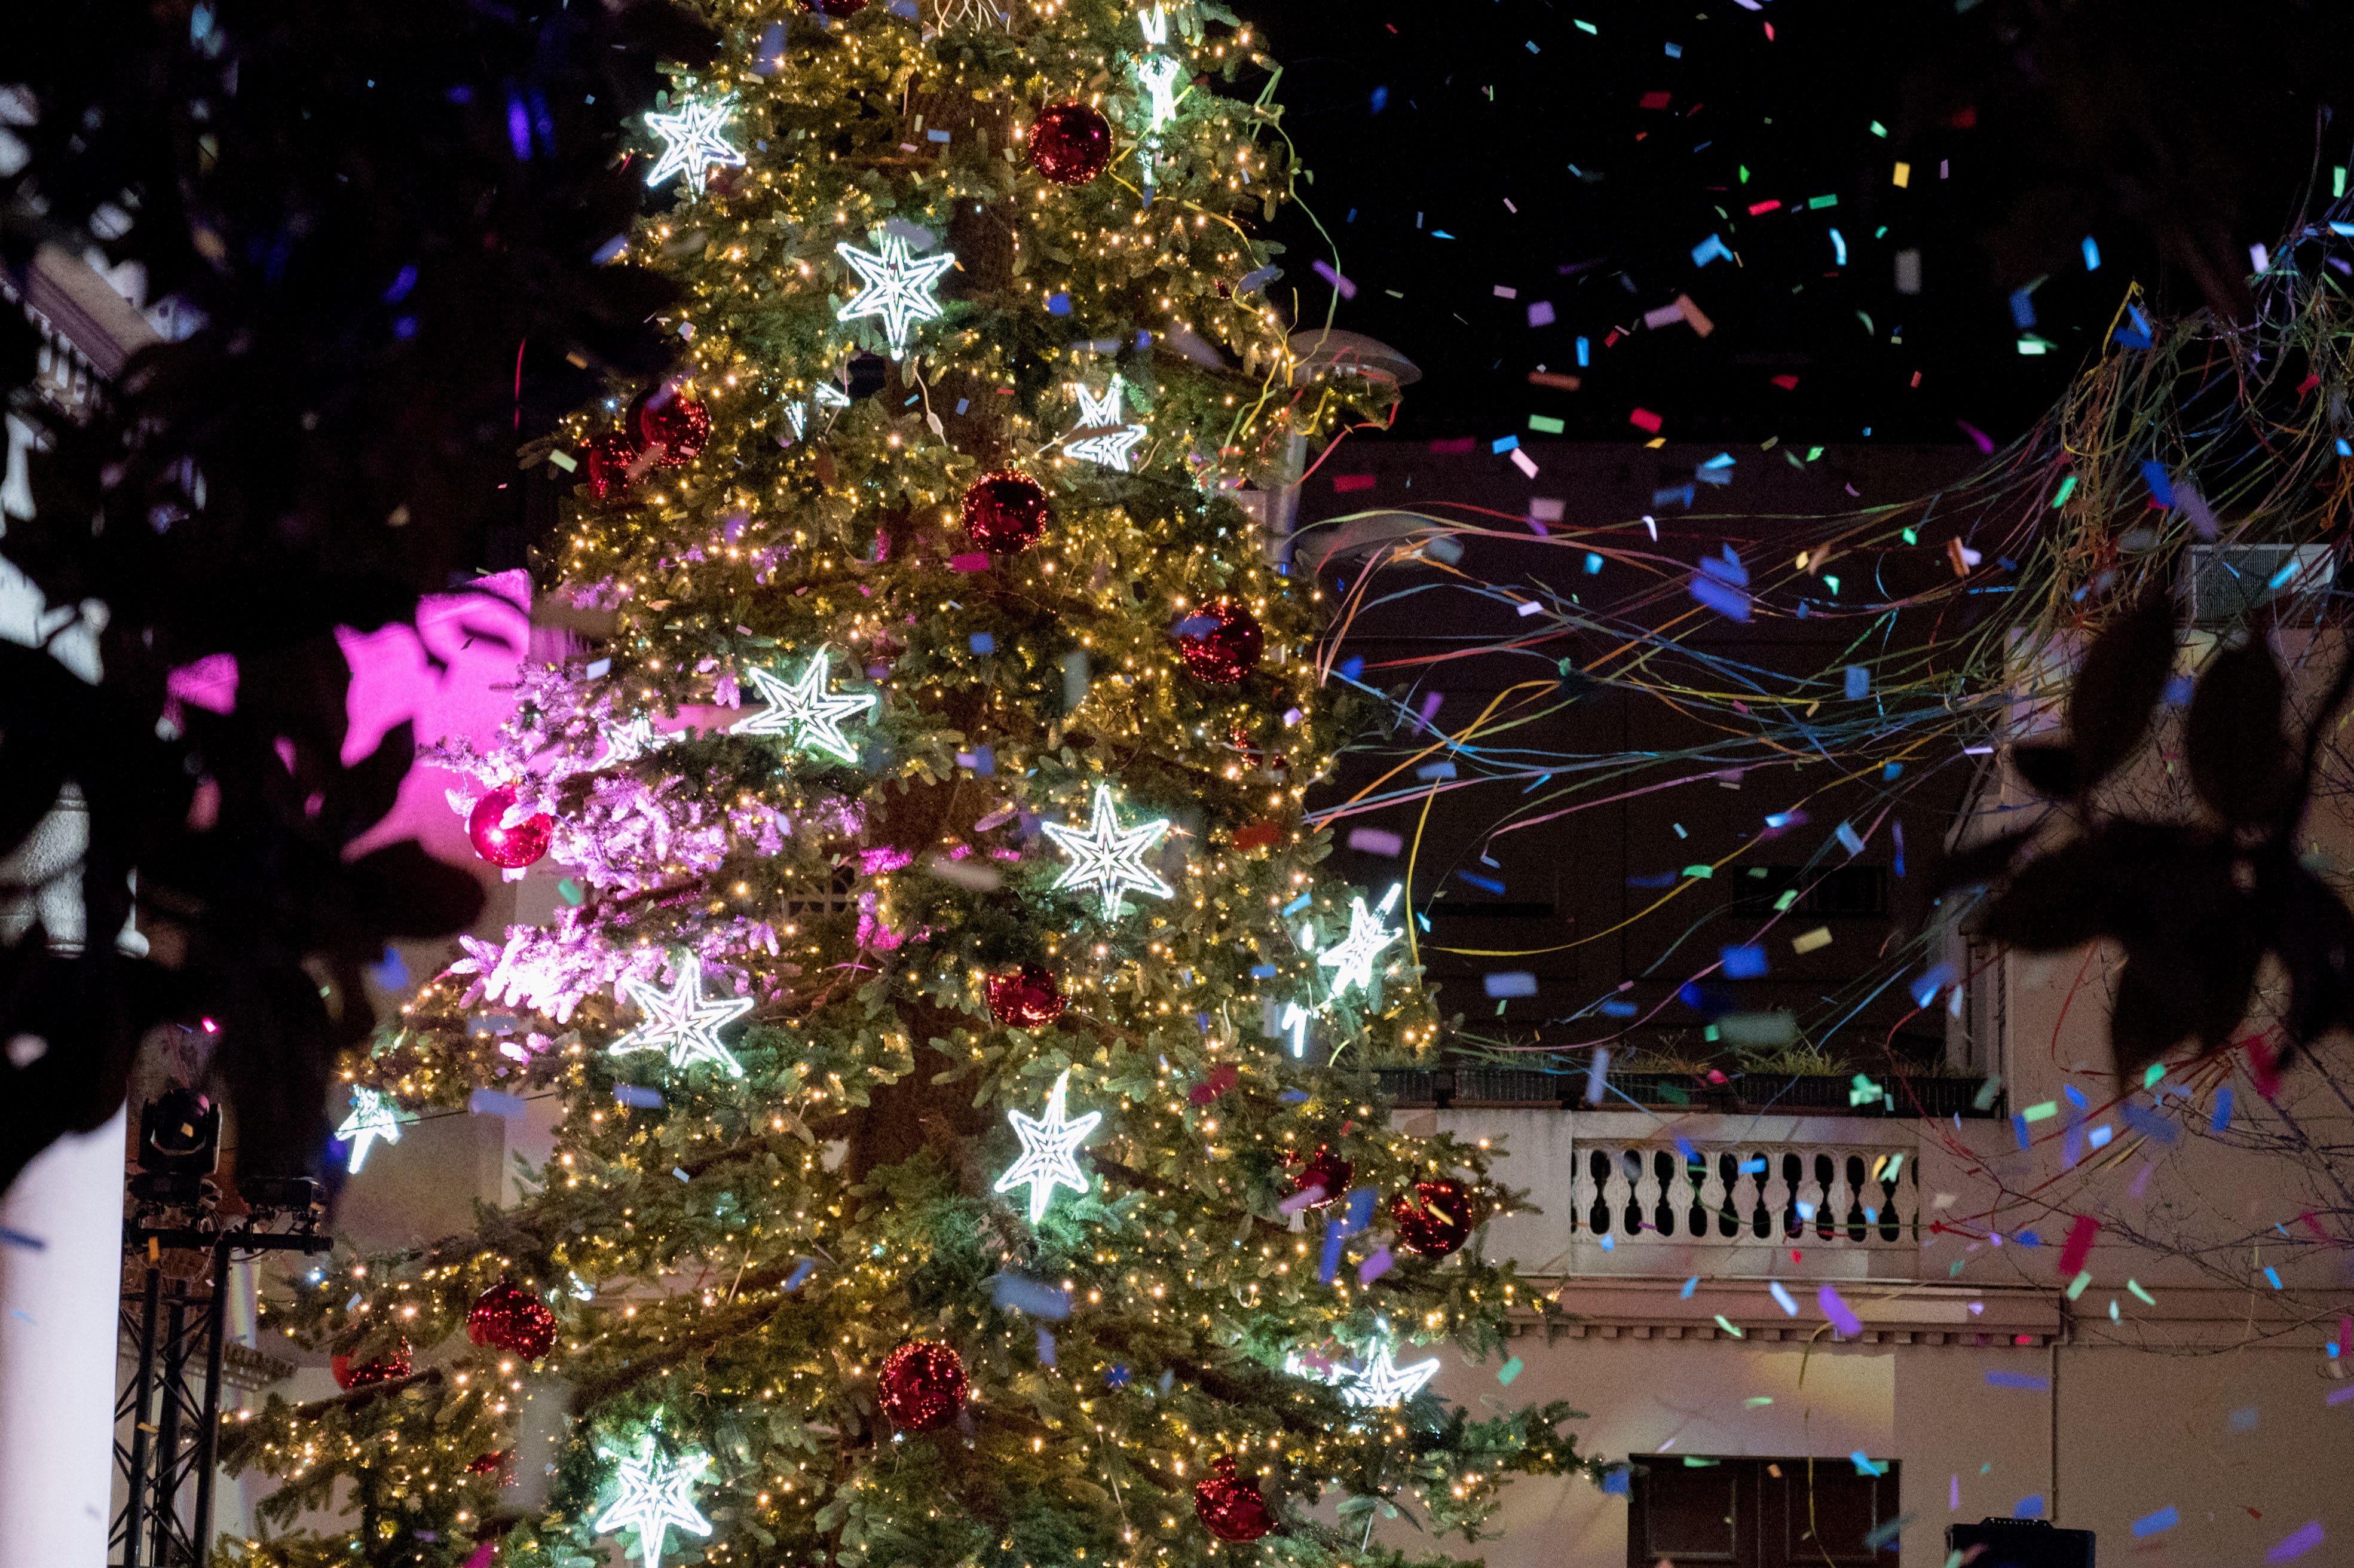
179,1133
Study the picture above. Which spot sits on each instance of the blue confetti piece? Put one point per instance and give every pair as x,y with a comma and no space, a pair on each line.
1045,1347
640,1099
1847,837
2093,264
2150,1124
1486,884
2273,1274
2027,1381
1296,905
2222,1116
1863,1465
1381,99
1262,972
1925,989
983,642
1859,681
1617,1009
1782,1298
2161,488
1058,304
1706,251
1690,1286
1690,1155
19,1239
2023,309
1506,444
1032,1298
802,1270
1752,1167
490,1102
1334,1235
2164,1517
1742,963
1617,1483
1293,1097
1729,602
1509,983
1351,668
2028,1506
1593,564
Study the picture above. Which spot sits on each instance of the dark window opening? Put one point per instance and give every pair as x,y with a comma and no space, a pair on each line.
1760,1513
1850,891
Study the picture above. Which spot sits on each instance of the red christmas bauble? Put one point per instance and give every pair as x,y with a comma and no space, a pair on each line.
610,457
1070,144
511,1318
512,847
1005,511
1220,642
1326,1169
1229,1506
349,1374
834,7
672,425
498,1462
1026,998
923,1385
1434,1219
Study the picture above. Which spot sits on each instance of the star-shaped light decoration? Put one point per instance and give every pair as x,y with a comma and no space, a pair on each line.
657,1495
1108,857
681,1023
1351,958
1050,1149
899,288
1160,74
374,1116
1108,446
629,741
692,142
803,711
1382,1384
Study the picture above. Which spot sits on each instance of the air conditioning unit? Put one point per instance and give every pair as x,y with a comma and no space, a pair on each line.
2224,582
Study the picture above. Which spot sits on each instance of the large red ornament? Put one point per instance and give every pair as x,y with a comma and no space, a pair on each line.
1326,1169
512,847
611,455
1220,642
395,1364
1070,144
923,1385
672,425
511,1318
1434,1219
1230,1506
1005,511
1026,998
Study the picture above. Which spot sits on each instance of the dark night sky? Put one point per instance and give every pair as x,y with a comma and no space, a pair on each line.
1490,101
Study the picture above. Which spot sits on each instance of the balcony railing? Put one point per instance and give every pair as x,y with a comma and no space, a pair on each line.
1778,1094
1641,1194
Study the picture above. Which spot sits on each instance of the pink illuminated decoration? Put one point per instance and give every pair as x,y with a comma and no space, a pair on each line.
504,836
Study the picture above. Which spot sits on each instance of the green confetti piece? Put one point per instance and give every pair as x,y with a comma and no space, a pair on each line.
2041,1111
1509,1371
1702,872
571,890
1878,129
2076,1286
1725,1323
1815,203
1789,898
2147,1299
1546,423
1755,1400
2067,489
2152,1073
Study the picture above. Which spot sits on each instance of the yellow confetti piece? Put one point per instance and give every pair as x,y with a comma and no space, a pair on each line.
1820,937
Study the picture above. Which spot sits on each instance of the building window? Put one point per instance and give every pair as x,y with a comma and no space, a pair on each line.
1759,1513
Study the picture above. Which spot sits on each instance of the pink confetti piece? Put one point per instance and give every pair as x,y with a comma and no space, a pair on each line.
1344,483
1307,1197
2340,1395
972,561
1324,271
1373,1268
1843,1317
1644,419
2079,1245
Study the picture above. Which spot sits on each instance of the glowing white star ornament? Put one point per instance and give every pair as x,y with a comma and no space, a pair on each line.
1050,1147
374,1116
803,711
692,142
1107,857
681,1023
1382,1384
629,741
1351,958
1159,75
1113,441
898,287
657,1495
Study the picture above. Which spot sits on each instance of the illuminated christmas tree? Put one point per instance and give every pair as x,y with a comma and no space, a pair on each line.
971,1153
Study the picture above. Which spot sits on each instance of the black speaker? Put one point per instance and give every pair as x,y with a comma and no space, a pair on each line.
2021,1543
